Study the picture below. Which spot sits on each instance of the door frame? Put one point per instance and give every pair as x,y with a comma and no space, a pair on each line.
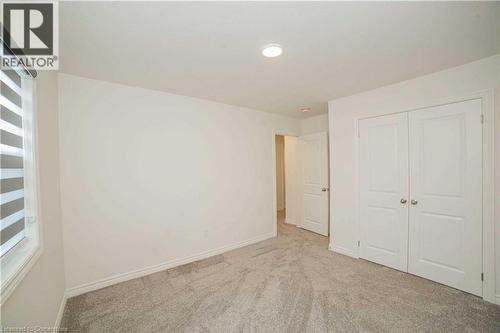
275,190
488,182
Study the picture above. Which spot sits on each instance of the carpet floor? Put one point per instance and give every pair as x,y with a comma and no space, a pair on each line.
291,283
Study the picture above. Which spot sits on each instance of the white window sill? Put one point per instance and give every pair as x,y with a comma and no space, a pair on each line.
19,260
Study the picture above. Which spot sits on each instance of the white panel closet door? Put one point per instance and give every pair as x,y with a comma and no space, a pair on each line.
384,189
445,180
314,157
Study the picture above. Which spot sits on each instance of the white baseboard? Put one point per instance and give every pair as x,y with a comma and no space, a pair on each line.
290,221
342,250
87,287
497,299
60,314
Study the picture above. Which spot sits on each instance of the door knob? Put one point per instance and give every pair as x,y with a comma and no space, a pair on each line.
403,201
324,189
414,202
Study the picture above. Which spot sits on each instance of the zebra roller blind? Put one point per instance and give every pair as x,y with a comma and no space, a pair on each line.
15,157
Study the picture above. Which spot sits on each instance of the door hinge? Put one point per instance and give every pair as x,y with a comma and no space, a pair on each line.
482,276
359,243
482,119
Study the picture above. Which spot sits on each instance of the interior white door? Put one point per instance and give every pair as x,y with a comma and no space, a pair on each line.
314,161
445,180
383,153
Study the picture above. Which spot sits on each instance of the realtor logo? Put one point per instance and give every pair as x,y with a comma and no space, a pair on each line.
30,34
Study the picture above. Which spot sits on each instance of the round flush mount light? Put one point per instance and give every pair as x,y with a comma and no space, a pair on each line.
305,110
272,50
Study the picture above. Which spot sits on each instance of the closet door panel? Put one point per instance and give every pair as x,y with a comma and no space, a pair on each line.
445,185
383,171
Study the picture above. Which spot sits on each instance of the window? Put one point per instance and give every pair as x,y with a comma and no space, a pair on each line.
18,196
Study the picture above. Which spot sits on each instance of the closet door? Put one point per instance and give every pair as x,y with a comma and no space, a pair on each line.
445,186
383,190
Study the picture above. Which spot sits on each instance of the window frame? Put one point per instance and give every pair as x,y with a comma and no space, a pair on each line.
18,261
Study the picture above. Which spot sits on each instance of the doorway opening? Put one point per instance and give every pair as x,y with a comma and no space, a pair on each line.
287,180
302,182
280,178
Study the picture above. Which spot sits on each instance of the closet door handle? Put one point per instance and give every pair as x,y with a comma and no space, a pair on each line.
414,202
403,201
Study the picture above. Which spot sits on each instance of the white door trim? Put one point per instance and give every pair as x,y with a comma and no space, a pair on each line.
488,190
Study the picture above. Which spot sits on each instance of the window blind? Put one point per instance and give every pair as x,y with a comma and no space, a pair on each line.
12,153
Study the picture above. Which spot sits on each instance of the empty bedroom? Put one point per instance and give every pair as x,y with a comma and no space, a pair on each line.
250,166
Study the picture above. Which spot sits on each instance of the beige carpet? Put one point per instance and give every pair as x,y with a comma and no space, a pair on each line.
288,284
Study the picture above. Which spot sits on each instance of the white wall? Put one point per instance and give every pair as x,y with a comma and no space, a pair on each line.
37,300
149,178
314,124
292,179
420,92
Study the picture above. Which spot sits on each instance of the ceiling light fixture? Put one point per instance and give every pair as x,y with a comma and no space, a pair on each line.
272,50
306,110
